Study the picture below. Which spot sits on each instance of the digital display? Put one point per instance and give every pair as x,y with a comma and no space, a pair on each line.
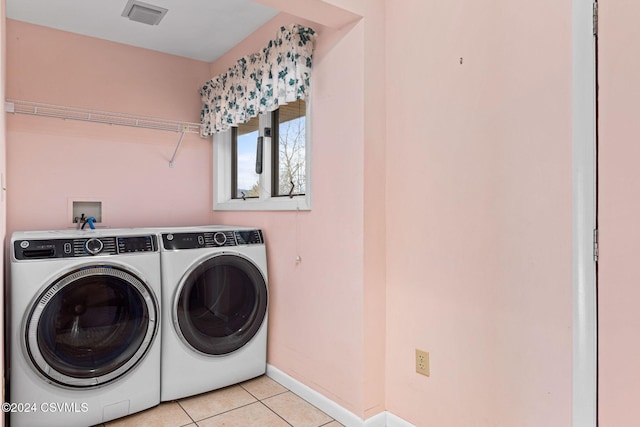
249,237
245,236
135,244
183,241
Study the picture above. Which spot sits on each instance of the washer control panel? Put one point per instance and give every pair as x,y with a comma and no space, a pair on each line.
211,239
33,249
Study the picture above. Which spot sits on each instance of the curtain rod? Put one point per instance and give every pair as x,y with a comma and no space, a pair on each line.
74,113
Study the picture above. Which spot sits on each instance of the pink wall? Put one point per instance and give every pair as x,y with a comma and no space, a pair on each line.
316,331
375,219
479,212
618,213
52,161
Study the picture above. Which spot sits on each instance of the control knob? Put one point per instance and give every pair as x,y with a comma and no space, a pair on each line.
94,246
220,238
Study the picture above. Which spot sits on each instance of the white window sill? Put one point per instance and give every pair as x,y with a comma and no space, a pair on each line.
296,203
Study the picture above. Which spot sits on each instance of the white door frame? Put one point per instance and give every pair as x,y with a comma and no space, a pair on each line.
584,98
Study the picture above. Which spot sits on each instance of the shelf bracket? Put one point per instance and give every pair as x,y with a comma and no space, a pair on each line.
176,150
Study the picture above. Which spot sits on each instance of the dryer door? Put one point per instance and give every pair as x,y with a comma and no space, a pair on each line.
220,304
91,326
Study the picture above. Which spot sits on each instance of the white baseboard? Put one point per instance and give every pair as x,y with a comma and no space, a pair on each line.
379,420
335,411
394,421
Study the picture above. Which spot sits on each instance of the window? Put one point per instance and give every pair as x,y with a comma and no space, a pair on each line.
289,160
264,164
245,182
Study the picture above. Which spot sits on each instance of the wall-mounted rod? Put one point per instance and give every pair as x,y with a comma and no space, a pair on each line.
176,151
73,113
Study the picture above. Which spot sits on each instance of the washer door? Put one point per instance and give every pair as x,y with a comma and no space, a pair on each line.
220,304
91,326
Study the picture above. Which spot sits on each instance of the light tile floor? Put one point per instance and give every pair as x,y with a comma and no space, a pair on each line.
260,402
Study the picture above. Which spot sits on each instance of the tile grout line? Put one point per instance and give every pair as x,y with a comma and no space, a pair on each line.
257,400
294,394
286,390
268,397
312,405
188,415
277,414
224,412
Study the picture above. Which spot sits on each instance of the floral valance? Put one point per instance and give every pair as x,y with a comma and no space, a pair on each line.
259,82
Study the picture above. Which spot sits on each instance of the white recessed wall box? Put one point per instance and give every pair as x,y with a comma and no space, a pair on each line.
143,12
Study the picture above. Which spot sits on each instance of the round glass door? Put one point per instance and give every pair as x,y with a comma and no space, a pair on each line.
91,326
221,304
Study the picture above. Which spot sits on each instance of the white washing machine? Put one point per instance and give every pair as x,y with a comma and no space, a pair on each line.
84,329
214,308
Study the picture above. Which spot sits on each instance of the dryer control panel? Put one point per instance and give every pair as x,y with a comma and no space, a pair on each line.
212,239
33,249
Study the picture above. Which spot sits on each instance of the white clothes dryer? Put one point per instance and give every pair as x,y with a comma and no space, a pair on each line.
84,329
214,308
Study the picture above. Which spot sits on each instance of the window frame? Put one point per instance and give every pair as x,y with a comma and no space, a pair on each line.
223,167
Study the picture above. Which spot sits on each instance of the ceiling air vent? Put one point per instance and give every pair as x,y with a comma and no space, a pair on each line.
143,12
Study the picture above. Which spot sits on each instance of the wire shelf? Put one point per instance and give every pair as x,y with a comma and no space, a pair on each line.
73,113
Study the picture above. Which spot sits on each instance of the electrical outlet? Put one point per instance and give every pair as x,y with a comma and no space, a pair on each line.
422,362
